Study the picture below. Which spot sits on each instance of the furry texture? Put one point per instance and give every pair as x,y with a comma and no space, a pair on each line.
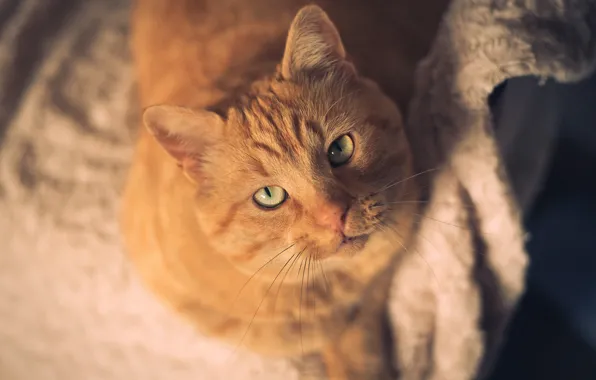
286,280
473,281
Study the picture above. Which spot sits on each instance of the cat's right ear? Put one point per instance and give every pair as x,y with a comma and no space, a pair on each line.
185,134
314,44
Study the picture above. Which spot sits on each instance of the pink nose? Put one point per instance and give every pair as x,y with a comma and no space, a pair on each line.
330,215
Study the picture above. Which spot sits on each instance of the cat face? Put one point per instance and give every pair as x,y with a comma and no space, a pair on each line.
308,162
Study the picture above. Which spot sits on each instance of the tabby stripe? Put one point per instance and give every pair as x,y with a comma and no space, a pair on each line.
296,125
298,208
284,142
225,223
267,122
272,124
292,144
315,128
259,167
251,252
245,124
260,108
266,148
283,137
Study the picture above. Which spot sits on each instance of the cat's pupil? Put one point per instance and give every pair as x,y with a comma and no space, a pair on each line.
341,150
270,196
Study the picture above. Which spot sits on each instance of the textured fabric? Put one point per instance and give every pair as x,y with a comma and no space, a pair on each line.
471,278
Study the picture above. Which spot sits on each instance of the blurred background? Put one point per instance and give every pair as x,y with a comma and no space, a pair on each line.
553,335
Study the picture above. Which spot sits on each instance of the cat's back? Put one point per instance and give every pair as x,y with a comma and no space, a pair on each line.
205,46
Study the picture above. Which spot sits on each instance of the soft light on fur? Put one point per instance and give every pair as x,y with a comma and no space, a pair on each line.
284,281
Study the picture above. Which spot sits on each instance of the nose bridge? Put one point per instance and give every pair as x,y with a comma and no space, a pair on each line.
329,206
327,191
328,186
324,198
329,214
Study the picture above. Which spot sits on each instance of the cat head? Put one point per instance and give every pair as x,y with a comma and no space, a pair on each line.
307,162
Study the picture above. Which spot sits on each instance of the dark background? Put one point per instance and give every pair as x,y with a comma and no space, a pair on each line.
553,334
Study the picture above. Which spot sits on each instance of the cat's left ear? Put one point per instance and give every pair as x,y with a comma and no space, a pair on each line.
314,44
185,134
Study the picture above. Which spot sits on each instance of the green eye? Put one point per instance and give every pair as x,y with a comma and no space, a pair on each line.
340,151
270,196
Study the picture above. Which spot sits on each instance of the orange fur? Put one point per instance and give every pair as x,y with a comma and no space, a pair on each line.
235,103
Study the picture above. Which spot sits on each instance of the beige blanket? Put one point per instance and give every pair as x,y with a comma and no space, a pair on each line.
71,308
469,268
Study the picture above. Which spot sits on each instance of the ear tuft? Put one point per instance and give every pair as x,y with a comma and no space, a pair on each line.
313,44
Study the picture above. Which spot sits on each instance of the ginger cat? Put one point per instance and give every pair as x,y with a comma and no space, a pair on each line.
271,184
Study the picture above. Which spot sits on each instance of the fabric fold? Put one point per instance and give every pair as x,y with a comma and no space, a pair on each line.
473,272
